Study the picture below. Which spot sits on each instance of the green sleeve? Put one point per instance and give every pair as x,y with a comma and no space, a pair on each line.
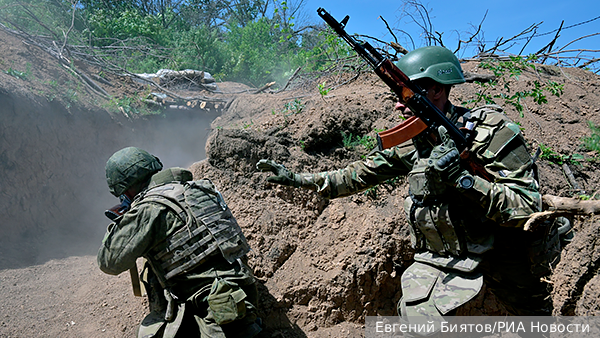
507,201
361,175
512,196
139,230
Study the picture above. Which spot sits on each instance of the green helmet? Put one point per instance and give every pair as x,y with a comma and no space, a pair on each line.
434,62
130,166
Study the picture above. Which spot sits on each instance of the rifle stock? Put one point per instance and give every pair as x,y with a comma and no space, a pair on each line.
135,281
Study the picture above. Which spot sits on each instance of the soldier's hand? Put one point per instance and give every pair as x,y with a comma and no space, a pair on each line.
282,175
444,161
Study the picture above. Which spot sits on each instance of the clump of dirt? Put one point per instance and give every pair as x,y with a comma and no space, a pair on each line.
322,265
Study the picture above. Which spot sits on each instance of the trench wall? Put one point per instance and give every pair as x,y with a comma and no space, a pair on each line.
53,187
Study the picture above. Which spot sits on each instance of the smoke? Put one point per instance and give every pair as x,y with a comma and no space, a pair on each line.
178,140
54,190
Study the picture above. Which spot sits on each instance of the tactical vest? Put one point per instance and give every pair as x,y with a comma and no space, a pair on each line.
209,228
438,232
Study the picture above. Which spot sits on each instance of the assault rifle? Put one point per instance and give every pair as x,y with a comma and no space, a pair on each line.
427,117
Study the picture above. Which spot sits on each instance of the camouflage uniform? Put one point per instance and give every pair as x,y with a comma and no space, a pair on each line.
463,237
191,273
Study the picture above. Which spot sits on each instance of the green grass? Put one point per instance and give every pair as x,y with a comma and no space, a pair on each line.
592,142
351,141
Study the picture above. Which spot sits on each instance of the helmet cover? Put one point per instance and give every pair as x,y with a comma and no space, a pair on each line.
129,166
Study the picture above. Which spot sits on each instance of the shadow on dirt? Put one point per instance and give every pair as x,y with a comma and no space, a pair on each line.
275,317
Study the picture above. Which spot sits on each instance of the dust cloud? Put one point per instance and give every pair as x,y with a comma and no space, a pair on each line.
54,190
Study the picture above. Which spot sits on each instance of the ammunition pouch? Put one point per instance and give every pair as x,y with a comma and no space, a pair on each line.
432,228
423,186
226,301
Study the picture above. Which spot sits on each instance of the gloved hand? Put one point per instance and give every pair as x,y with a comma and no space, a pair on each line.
282,175
444,161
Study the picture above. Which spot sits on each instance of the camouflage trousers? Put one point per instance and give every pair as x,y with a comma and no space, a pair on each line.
512,271
430,292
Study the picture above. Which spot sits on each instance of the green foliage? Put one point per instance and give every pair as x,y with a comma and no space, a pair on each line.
18,74
575,159
249,41
293,107
350,141
555,88
290,108
199,48
42,17
550,155
332,45
585,197
262,52
248,124
592,142
302,144
504,72
109,25
26,75
322,89
250,51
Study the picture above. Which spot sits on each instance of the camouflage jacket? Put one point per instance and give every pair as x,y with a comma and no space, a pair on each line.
506,201
145,227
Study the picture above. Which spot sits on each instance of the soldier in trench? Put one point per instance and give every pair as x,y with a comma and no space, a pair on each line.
196,273
465,230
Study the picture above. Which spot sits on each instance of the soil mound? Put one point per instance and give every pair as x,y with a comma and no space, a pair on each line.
322,265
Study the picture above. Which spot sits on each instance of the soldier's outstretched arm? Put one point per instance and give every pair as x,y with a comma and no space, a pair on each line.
356,177
284,176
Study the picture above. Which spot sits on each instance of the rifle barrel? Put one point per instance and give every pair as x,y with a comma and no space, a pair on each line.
406,90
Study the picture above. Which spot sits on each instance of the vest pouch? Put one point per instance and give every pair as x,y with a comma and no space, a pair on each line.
425,224
226,301
422,185
417,240
433,230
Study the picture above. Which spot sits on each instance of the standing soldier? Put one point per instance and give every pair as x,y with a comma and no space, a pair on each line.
196,276
466,230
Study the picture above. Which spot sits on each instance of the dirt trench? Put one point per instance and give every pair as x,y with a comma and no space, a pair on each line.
53,184
322,265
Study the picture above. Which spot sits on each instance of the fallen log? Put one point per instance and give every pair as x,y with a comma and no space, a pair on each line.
263,88
555,206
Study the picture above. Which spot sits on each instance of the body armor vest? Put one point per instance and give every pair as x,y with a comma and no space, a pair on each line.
440,225
209,228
